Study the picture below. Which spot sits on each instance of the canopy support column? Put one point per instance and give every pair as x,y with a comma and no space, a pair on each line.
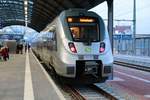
110,21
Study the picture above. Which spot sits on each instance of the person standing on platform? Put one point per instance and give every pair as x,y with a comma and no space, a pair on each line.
21,48
0,51
26,48
5,53
29,47
17,48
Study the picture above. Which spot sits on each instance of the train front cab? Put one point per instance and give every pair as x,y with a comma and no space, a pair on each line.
84,36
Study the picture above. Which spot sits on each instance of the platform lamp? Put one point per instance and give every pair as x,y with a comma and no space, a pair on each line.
26,12
25,15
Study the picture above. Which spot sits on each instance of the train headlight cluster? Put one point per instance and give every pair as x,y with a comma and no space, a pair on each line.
102,47
72,47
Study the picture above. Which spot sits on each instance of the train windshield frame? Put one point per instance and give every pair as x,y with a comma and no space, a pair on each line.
84,29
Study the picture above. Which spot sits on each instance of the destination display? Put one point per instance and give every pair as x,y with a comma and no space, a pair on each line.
82,19
11,36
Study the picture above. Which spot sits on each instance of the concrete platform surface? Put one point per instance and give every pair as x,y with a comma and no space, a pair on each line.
23,78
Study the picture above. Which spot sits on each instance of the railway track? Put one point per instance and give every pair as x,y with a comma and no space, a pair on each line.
89,92
136,66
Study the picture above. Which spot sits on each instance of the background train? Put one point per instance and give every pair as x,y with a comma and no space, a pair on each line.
76,45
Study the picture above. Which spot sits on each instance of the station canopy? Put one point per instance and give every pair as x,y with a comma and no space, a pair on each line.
40,12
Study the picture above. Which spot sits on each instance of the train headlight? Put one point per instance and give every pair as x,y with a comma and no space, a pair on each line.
72,47
102,47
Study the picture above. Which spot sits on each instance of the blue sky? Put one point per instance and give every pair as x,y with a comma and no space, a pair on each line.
123,9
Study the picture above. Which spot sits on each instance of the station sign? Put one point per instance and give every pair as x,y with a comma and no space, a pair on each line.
117,37
11,36
122,37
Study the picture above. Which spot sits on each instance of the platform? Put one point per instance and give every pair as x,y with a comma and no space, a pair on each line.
23,78
138,60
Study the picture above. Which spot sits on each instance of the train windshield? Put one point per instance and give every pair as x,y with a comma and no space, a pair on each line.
84,29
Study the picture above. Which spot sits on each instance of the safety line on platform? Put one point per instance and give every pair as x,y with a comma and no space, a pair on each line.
28,88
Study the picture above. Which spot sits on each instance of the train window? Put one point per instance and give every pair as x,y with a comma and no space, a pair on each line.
54,40
85,32
84,29
75,32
